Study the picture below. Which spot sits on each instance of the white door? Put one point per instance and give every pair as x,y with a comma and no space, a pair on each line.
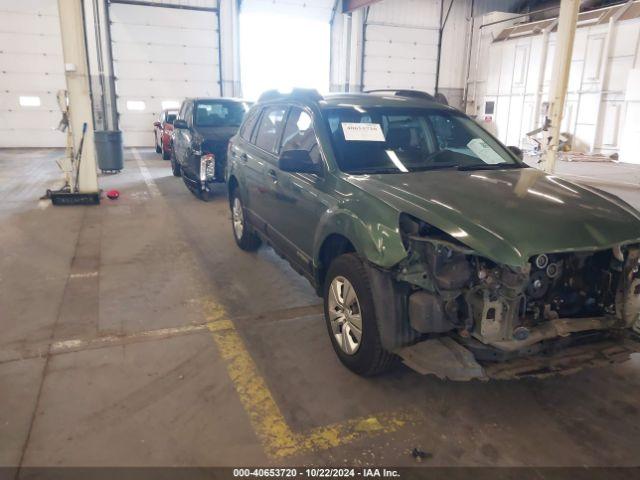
31,73
160,56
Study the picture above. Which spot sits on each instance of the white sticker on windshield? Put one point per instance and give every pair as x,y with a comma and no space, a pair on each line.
363,132
484,152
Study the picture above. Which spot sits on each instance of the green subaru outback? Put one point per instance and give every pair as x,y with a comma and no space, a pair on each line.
433,243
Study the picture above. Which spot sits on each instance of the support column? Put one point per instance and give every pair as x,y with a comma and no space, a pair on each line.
356,51
77,78
229,15
560,77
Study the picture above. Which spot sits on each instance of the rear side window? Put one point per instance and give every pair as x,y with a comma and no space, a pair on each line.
270,128
249,123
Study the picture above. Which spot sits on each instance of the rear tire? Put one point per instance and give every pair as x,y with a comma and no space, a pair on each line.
244,236
165,155
175,166
351,318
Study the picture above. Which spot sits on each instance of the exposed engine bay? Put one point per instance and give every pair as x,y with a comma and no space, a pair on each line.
499,311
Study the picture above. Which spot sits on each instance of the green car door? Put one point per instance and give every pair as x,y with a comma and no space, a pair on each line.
296,201
257,156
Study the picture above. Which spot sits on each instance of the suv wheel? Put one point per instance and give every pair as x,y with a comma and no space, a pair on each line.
351,318
155,140
245,238
165,155
175,167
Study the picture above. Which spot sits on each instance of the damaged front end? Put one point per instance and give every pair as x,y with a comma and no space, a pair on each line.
474,318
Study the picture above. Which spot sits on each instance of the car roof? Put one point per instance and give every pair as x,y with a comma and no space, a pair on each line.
222,99
364,100
379,100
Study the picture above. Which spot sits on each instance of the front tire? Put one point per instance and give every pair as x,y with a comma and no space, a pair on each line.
245,238
155,140
165,155
351,318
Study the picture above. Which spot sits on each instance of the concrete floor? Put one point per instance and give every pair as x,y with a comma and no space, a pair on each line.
137,333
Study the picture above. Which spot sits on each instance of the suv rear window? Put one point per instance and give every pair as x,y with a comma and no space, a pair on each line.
219,114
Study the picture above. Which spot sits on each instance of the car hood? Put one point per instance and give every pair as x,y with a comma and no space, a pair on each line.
216,134
509,215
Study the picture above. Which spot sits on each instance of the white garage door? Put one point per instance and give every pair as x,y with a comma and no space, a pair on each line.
160,56
31,72
400,57
401,45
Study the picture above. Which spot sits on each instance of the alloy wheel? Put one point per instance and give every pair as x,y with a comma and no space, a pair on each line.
345,315
238,218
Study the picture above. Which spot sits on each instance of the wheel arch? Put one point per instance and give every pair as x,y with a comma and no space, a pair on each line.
232,185
333,245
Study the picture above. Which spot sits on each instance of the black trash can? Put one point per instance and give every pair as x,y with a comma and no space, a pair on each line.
109,150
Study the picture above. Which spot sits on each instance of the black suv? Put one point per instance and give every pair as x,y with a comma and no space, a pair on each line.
200,137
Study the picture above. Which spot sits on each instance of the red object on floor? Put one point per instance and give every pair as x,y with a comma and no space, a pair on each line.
113,194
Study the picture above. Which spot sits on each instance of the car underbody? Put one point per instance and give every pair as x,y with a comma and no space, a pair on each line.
469,317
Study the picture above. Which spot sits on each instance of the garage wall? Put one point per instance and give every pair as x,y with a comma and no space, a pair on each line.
401,45
160,56
31,69
597,109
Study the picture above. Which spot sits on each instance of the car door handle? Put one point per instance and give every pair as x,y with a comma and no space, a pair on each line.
244,157
272,173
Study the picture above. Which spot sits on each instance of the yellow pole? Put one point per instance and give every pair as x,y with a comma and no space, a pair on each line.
560,76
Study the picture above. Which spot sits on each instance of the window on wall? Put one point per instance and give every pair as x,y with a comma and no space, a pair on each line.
29,101
135,105
489,108
170,104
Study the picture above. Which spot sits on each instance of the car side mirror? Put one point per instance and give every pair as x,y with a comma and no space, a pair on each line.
516,151
156,124
180,124
298,161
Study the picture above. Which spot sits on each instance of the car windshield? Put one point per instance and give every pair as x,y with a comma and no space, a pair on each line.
171,116
402,140
219,114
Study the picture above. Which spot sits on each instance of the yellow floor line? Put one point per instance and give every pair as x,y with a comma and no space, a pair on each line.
266,418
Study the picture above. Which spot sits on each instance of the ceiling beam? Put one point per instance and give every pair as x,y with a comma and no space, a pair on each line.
351,5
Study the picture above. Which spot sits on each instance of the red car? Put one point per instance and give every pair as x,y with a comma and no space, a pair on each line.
162,132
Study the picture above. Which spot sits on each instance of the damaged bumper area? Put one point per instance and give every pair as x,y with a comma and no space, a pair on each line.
448,359
468,317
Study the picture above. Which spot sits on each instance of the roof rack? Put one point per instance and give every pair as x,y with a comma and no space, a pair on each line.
297,93
438,97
